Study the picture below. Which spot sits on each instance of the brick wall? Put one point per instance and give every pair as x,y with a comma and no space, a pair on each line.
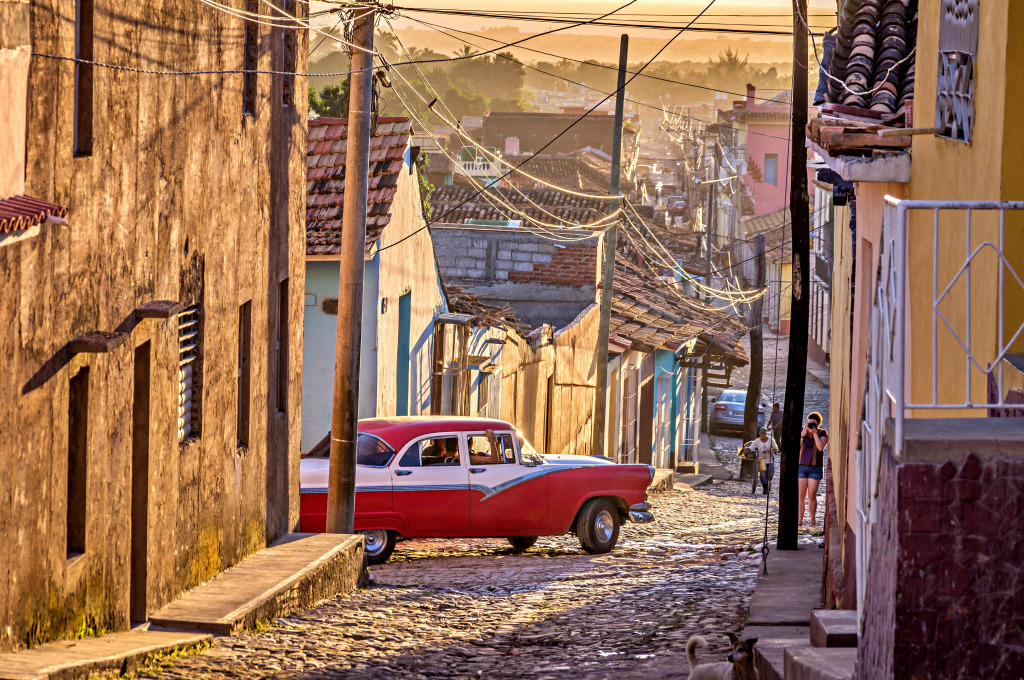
944,595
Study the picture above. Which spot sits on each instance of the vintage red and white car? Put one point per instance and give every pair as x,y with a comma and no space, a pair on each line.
451,477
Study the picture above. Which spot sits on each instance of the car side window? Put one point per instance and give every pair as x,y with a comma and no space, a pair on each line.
495,449
432,451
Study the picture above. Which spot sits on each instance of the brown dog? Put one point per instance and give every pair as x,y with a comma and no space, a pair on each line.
740,665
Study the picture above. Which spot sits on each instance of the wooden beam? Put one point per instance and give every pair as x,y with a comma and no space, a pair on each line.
96,342
159,309
856,140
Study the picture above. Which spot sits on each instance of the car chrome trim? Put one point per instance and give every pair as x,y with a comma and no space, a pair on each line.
641,507
505,486
641,517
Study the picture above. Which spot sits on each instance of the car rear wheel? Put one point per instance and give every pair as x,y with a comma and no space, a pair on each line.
598,526
520,543
379,544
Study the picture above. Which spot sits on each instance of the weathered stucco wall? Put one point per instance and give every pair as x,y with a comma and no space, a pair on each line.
177,175
407,265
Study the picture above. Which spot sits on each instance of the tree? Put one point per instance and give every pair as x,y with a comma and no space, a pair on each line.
332,100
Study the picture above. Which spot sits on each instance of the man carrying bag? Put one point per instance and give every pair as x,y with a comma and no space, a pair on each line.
764,448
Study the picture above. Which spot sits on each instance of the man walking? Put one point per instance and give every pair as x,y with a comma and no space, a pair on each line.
765,448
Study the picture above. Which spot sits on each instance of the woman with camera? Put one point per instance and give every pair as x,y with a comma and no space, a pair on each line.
813,440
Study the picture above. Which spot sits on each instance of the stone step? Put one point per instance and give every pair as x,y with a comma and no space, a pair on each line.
295,573
818,663
688,467
834,628
692,481
121,653
769,652
662,482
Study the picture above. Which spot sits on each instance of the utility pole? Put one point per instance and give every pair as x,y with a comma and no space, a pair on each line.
341,480
796,371
611,236
755,323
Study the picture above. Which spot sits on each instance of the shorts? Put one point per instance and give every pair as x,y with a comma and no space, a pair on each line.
809,472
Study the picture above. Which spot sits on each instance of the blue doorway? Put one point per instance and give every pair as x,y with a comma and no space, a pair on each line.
402,363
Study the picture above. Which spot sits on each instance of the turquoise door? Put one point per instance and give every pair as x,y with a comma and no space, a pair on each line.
402,365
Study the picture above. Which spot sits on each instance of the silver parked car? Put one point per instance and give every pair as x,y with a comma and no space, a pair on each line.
727,412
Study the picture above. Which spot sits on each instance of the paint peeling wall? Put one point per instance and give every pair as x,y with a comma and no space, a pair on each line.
176,173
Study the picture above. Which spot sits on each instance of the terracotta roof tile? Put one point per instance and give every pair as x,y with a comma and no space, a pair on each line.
325,179
648,311
22,212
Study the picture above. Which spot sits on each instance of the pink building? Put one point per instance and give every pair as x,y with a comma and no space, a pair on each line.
763,125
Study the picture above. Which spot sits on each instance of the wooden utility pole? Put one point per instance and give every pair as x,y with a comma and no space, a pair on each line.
341,480
755,323
611,237
796,371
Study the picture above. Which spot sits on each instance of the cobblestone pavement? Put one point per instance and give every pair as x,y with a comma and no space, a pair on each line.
470,608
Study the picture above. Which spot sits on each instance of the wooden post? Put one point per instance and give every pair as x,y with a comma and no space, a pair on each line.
796,371
611,236
755,323
341,480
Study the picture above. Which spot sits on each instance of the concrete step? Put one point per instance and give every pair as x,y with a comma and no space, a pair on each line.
293,574
662,482
689,467
769,652
834,628
789,591
817,663
120,653
692,481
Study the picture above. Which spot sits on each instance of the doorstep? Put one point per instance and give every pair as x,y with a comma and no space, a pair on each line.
296,572
662,481
690,482
119,652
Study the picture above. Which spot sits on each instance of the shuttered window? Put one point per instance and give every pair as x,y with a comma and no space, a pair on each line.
189,372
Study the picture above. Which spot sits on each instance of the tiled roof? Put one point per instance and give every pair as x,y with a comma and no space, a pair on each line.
22,212
448,205
647,312
325,179
777,234
439,162
874,55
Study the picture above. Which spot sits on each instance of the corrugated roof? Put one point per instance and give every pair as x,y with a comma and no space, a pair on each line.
777,234
23,212
325,179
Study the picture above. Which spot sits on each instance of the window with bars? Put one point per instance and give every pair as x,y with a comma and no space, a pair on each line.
954,90
190,368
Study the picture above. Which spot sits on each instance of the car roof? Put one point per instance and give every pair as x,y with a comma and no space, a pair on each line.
400,430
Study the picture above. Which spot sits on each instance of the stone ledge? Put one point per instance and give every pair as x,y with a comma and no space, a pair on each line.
834,628
769,652
937,440
662,482
295,573
118,652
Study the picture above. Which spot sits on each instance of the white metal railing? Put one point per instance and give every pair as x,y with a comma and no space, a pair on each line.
892,334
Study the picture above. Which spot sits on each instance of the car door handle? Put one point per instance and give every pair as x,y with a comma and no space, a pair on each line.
477,470
402,473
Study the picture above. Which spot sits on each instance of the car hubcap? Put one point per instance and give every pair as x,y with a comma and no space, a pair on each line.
374,541
604,526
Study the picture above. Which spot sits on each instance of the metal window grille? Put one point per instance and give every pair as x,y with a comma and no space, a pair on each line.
188,372
954,91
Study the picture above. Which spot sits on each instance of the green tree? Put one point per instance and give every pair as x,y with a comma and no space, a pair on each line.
331,101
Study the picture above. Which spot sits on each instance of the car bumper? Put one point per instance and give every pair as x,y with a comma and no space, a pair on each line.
640,513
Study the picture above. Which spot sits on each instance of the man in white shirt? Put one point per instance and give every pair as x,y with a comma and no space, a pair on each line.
765,448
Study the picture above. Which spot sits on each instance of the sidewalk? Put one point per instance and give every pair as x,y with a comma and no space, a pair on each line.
295,573
708,463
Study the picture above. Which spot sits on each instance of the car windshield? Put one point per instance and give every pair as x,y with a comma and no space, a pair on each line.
373,452
735,398
527,453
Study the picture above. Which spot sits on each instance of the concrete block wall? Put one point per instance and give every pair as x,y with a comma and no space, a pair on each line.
544,280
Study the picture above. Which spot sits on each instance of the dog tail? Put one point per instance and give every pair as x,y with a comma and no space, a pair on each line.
692,644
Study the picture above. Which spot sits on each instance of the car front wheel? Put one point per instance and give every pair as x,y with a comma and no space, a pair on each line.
520,543
379,544
598,526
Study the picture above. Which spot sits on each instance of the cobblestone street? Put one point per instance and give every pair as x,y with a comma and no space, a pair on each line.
472,608
462,609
